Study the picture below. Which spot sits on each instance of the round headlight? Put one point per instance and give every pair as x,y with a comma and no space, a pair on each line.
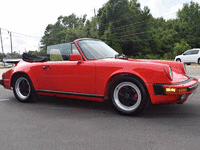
170,72
184,66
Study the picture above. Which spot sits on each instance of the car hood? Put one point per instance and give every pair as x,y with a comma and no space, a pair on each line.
177,67
178,56
173,64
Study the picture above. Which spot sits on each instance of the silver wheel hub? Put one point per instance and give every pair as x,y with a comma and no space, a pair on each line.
127,96
22,88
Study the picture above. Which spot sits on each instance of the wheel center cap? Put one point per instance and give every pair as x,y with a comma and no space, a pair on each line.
127,95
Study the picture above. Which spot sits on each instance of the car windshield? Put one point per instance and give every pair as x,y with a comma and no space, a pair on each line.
94,49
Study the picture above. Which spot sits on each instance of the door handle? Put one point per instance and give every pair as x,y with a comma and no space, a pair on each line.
46,67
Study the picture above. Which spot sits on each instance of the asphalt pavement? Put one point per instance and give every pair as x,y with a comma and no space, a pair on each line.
64,124
193,70
1,71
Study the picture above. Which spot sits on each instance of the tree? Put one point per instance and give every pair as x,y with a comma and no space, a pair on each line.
66,29
124,22
189,23
128,29
1,57
181,47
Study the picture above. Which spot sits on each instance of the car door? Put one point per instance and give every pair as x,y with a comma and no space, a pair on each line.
186,56
68,76
194,56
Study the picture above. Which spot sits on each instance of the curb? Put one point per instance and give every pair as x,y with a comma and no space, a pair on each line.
6,67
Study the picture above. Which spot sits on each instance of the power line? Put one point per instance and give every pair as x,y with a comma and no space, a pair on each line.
129,25
141,10
126,30
123,37
21,34
23,38
135,16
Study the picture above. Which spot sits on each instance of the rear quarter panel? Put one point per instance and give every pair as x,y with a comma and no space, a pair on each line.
26,68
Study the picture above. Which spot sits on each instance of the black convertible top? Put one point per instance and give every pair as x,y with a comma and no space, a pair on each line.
34,58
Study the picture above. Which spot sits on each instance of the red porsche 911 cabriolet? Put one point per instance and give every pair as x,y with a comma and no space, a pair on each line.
91,70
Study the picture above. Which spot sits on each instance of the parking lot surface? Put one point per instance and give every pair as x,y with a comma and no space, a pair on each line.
193,70
55,123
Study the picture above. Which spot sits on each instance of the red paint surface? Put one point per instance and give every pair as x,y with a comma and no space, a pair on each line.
95,76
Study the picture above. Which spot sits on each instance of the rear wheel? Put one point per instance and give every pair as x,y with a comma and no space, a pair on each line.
23,88
128,96
199,61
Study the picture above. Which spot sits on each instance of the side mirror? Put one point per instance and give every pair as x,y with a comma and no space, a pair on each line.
75,57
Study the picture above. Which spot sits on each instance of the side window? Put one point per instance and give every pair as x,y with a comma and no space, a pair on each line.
59,52
195,51
74,49
188,53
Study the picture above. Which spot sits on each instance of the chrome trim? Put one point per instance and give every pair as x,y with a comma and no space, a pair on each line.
193,87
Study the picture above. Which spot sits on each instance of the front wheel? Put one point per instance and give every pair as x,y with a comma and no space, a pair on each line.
23,88
178,60
128,96
199,61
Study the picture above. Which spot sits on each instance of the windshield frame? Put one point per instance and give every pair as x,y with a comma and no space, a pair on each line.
101,52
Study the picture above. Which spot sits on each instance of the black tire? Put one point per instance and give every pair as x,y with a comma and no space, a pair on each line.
128,96
178,60
23,88
199,61
188,63
180,103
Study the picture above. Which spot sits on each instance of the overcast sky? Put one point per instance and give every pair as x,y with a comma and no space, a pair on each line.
30,17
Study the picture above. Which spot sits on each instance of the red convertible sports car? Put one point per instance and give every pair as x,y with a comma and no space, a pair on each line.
91,70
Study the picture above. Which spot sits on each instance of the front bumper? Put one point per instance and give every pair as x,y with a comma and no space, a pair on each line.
176,88
2,82
174,92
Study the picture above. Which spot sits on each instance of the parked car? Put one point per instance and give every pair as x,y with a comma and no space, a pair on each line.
190,56
94,71
2,64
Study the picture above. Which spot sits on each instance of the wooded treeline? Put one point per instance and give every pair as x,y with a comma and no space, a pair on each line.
131,30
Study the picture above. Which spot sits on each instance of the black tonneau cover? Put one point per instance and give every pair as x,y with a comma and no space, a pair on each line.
34,58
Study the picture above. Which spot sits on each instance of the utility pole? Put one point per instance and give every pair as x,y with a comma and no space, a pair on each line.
96,26
11,43
1,42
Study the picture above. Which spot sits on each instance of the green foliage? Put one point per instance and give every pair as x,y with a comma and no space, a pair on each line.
128,29
168,56
1,56
9,55
189,17
118,21
41,52
181,47
152,56
66,29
